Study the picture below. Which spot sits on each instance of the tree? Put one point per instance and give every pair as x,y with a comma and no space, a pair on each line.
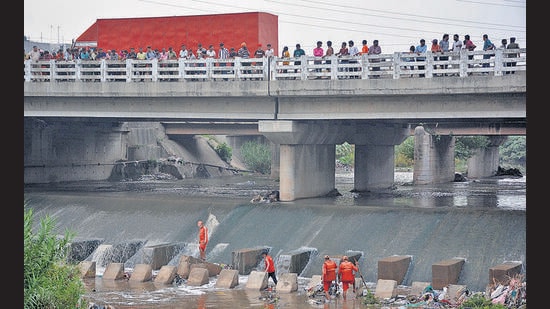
257,156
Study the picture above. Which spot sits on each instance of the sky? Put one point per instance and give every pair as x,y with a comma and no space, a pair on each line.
396,24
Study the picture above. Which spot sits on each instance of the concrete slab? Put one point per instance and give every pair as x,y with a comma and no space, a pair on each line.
257,280
166,274
158,255
114,271
228,279
142,273
87,269
446,272
502,273
198,276
247,259
287,283
385,288
394,267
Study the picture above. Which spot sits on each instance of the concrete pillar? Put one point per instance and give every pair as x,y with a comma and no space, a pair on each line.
433,158
375,154
275,161
374,167
306,171
484,163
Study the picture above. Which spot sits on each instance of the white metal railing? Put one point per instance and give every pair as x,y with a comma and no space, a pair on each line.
397,65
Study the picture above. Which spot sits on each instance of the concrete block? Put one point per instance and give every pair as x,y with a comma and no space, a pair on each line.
184,265
394,268
446,272
166,274
257,280
502,273
158,255
246,260
198,276
293,261
385,288
142,273
454,292
114,271
228,279
418,287
213,269
315,280
87,269
287,283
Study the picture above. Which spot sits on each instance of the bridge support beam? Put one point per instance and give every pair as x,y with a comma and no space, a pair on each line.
433,157
484,163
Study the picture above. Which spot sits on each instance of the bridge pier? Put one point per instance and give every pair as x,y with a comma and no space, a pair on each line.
375,155
433,157
484,163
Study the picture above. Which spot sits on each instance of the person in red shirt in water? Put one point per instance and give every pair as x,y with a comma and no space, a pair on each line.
346,274
329,275
269,266
203,239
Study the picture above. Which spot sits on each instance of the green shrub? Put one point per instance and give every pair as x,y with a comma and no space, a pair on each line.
479,301
257,156
49,281
224,151
345,154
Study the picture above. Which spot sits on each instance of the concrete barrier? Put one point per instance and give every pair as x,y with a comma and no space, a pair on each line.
246,260
418,287
287,282
502,273
166,274
446,272
142,273
213,269
294,261
87,269
257,280
394,267
158,255
198,276
228,278
385,288
184,265
114,271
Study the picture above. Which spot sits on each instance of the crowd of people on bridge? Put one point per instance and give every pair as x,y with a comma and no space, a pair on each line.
347,48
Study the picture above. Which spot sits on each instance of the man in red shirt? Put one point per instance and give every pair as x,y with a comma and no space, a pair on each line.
203,239
329,275
346,274
269,266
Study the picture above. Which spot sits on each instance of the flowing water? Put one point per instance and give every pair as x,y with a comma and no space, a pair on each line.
483,221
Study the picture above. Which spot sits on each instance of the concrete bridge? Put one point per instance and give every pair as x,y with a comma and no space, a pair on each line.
305,118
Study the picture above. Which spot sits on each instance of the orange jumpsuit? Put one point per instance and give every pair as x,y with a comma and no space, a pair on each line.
347,275
329,273
203,238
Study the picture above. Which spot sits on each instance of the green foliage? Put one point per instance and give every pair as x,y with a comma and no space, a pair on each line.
465,146
513,152
257,156
479,301
369,299
224,151
404,153
345,153
49,282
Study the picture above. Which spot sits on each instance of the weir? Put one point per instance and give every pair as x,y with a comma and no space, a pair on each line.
483,236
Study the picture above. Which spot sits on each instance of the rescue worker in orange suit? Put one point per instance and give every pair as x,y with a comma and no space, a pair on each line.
203,239
346,274
329,275
269,266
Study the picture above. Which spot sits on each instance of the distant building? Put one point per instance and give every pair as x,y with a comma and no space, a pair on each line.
162,32
27,45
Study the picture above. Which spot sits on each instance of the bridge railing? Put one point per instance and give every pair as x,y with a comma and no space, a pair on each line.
392,66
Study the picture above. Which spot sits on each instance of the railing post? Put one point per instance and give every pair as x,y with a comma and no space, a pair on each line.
463,66
396,65
181,68
429,65
128,70
28,73
154,69
499,58
102,70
